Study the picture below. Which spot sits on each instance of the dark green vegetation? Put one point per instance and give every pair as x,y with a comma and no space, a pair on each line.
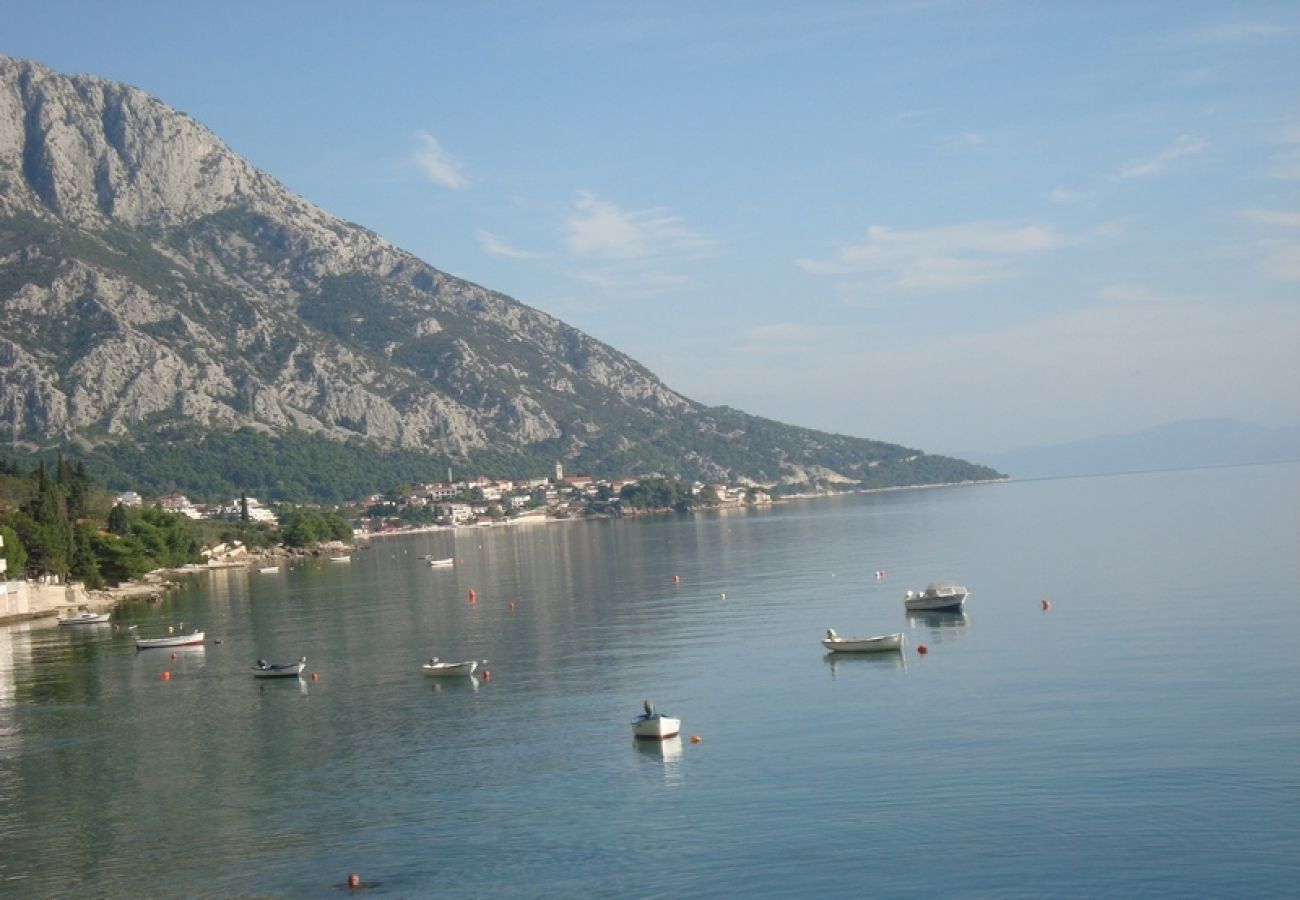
296,467
61,524
61,527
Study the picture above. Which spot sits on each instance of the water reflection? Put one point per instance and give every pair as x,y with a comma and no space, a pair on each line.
668,752
185,659
945,625
469,683
893,660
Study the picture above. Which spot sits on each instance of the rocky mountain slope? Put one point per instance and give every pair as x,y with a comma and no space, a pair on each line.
156,288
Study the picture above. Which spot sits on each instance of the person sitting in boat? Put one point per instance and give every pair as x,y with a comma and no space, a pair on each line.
649,710
263,664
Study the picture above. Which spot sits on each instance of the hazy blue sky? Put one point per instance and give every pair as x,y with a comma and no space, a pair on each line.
952,225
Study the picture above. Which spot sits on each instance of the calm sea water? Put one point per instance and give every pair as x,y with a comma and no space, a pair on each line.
1139,738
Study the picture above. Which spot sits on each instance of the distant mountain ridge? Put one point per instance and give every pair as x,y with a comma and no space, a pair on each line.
1178,445
156,290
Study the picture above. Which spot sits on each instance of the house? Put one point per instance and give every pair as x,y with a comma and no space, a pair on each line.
130,498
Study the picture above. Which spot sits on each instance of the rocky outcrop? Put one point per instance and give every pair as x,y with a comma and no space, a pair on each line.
151,279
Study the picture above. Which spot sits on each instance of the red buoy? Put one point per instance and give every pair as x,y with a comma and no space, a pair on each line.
695,739
677,579
315,677
167,676
922,649
487,674
472,595
1047,604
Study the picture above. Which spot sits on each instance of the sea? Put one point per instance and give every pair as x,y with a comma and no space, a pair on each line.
1116,713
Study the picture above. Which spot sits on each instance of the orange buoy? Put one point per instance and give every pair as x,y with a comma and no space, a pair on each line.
167,676
1047,604
922,649
472,595
695,739
487,674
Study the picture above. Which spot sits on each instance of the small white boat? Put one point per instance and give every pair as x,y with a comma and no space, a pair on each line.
269,570
439,668
264,669
654,725
880,643
938,596
442,563
341,559
86,618
177,639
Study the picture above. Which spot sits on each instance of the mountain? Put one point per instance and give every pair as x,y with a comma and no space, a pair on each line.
1179,445
168,308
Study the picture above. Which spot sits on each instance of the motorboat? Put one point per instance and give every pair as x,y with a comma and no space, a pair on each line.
880,643
85,617
941,595
439,668
174,638
442,563
341,559
655,725
264,669
269,570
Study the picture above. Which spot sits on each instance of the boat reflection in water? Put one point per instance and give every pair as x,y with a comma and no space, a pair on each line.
668,752
859,661
463,683
943,626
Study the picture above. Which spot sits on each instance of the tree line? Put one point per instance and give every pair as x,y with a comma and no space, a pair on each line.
59,524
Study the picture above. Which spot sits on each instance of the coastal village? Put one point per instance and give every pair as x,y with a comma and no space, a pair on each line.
474,502
455,503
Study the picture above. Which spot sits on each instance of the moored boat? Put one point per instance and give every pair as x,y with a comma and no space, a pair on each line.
879,643
341,559
439,668
176,638
941,595
85,617
655,725
442,563
269,570
264,669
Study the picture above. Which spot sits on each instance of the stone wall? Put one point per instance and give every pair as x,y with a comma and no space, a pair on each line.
31,599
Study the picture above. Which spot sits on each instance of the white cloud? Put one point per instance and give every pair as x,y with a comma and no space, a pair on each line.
1185,145
783,337
954,256
630,252
1063,196
437,164
1280,259
1228,33
601,230
1282,218
491,244
1127,294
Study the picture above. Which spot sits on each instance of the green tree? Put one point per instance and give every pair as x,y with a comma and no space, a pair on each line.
118,521
15,553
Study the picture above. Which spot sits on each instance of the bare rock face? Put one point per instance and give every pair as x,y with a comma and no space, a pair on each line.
174,221
152,280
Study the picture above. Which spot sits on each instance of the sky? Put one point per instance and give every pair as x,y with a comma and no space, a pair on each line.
957,226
